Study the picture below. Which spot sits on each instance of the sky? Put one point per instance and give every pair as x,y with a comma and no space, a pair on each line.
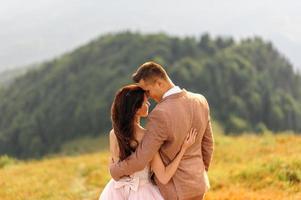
33,31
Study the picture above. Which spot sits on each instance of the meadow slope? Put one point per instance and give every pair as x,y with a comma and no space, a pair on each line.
244,167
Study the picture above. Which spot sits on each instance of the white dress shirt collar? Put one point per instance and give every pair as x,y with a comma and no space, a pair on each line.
173,90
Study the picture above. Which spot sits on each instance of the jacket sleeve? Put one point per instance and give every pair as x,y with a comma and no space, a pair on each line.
207,143
155,135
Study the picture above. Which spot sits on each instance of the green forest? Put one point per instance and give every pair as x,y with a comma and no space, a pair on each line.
249,84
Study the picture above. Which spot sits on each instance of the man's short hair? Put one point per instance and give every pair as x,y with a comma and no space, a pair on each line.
149,71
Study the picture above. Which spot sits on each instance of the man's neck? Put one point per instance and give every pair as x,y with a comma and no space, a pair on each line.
169,86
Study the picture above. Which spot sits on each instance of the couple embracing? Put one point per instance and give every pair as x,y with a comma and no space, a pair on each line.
170,157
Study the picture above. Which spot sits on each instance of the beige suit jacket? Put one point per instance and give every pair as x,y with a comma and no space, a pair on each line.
167,126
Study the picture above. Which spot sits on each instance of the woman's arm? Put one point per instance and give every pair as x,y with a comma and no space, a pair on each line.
163,173
114,148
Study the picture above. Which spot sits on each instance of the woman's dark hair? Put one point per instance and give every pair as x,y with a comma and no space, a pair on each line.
125,105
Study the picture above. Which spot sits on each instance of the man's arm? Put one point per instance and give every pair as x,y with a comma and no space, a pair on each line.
155,135
207,143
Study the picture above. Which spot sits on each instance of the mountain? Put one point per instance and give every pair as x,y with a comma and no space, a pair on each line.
250,87
8,76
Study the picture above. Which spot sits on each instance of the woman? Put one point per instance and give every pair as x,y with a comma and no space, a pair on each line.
130,104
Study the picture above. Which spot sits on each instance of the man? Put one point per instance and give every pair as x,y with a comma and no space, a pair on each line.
176,112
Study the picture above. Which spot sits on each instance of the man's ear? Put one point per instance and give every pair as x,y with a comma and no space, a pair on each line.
160,82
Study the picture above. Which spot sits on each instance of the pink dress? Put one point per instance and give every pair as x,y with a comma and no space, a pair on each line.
136,187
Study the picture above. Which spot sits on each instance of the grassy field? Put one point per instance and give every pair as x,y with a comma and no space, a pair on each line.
244,167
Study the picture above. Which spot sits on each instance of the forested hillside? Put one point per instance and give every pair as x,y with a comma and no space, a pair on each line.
8,76
250,86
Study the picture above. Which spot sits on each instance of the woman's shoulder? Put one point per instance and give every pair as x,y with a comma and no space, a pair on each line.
114,146
112,133
113,138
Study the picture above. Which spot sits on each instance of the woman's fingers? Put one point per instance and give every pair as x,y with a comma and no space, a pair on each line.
193,135
188,135
190,138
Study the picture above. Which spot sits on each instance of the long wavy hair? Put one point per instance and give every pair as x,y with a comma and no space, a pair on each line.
123,111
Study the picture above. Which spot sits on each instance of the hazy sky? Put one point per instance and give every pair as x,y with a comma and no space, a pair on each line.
35,30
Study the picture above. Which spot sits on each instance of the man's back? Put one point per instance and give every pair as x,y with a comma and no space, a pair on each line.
179,113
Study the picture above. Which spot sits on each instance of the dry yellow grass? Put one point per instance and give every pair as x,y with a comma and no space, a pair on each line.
244,167
256,167
79,177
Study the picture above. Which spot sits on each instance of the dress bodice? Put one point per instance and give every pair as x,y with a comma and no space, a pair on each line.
133,181
143,174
